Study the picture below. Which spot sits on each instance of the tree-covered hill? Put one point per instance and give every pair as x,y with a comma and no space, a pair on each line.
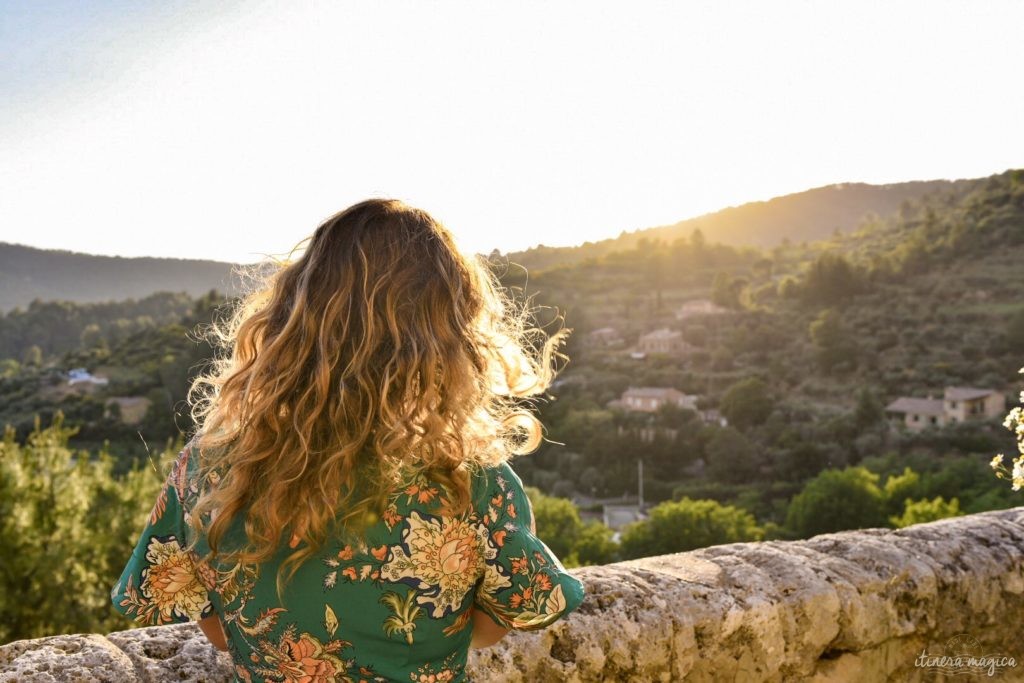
27,273
804,346
817,338
809,216
809,343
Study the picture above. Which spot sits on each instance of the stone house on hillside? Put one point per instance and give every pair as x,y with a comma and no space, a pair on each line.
662,341
604,336
699,307
958,404
651,399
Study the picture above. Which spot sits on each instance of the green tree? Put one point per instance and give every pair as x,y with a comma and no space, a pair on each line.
831,279
746,403
594,545
801,461
924,510
9,367
677,526
92,337
33,356
832,342
557,519
1014,333
837,500
869,411
67,526
731,457
789,287
728,291
899,488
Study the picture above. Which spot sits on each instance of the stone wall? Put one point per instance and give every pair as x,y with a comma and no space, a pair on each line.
851,606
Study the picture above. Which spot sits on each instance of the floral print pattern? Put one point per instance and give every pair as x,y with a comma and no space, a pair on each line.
366,607
171,581
301,659
442,557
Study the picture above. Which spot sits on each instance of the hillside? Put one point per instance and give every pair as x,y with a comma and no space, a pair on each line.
809,344
809,216
777,381
28,273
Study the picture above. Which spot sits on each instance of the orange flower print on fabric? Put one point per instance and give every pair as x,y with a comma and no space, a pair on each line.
308,662
409,581
391,516
170,588
302,659
171,581
428,673
421,492
520,565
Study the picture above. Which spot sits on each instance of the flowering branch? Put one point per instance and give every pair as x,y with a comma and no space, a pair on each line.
1014,422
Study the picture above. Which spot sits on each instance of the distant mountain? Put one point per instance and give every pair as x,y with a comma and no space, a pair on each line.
28,273
803,216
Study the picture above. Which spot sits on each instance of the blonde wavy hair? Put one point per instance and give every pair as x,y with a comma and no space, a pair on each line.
381,350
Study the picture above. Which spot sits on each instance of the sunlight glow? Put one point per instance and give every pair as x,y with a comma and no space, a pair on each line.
225,130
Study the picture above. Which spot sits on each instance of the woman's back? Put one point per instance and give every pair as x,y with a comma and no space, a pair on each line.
394,606
381,351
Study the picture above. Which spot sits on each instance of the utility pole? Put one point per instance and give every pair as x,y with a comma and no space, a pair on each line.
640,482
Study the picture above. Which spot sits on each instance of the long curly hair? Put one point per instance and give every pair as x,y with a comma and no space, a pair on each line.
381,350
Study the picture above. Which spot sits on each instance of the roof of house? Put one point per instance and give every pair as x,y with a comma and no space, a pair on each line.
652,392
618,516
701,306
920,406
965,393
663,333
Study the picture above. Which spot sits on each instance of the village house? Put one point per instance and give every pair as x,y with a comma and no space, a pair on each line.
958,404
696,307
130,409
604,336
83,376
651,399
618,517
662,341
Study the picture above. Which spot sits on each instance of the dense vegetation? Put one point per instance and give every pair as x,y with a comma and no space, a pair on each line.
147,349
820,339
67,527
806,216
816,339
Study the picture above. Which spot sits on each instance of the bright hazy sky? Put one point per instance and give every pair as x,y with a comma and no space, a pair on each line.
227,130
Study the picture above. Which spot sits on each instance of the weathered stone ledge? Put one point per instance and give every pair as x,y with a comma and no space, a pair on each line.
851,606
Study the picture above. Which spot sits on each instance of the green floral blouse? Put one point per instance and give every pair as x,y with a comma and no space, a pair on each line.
394,606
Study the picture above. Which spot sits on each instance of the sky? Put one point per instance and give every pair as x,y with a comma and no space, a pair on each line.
230,130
